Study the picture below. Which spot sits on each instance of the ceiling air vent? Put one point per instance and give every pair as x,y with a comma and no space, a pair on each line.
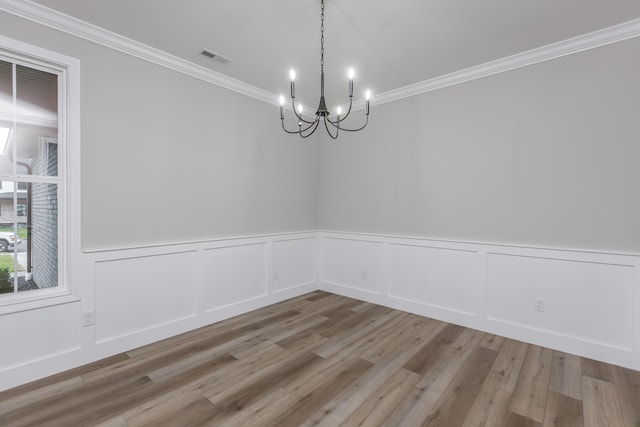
212,55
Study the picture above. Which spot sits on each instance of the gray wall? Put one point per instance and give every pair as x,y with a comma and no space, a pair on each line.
545,155
168,158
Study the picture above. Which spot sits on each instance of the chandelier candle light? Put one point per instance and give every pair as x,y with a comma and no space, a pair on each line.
306,127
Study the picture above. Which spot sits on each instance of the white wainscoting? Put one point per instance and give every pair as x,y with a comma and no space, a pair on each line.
294,262
142,295
26,342
136,294
235,274
439,277
591,301
353,265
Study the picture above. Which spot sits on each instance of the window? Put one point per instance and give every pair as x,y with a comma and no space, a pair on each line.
36,92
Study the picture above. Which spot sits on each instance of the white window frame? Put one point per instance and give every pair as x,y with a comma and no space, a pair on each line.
68,179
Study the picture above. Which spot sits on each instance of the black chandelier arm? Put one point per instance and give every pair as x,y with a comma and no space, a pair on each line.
348,109
293,106
329,130
287,130
336,122
336,125
301,132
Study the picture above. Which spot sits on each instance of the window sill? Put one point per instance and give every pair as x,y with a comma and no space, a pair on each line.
33,300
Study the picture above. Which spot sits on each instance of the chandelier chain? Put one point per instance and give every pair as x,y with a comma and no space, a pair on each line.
322,38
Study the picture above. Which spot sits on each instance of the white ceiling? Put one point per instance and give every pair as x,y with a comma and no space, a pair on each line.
391,44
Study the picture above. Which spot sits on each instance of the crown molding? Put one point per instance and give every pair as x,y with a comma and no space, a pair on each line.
70,25
59,21
614,34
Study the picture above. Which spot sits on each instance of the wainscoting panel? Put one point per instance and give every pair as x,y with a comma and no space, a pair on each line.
353,263
234,274
439,277
136,294
294,263
25,341
584,300
580,302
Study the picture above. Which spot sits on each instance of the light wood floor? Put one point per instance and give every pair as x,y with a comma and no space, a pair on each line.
323,359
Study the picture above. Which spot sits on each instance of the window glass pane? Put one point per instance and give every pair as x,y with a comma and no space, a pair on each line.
28,236
36,136
6,115
6,93
10,242
6,279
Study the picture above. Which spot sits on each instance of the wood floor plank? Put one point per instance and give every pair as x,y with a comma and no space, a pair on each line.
352,320
324,359
601,405
197,413
530,394
506,369
343,404
305,404
456,401
343,308
235,383
253,390
215,344
416,406
627,384
566,375
434,349
59,411
113,422
266,338
36,386
341,341
316,296
563,411
492,342
410,332
490,407
259,414
420,401
99,409
337,319
35,396
596,369
516,420
162,406
383,401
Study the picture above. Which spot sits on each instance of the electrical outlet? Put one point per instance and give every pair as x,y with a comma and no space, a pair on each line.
88,318
276,275
363,273
538,304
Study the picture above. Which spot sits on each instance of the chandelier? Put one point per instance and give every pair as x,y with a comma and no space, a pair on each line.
333,126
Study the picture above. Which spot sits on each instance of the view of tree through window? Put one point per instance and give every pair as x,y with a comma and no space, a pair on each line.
29,178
